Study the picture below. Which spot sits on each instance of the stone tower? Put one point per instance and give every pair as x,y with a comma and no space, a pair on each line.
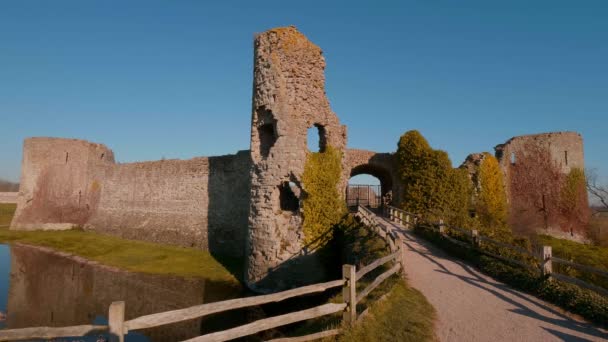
288,99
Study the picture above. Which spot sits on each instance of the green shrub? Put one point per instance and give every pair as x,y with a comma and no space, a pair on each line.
491,203
322,204
431,186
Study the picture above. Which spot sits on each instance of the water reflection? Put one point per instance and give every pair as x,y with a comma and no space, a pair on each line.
48,289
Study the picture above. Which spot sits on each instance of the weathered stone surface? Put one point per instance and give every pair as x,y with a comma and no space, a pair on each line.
472,164
566,149
201,202
379,165
566,153
288,99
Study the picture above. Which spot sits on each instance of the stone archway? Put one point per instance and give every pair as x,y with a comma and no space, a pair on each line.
379,165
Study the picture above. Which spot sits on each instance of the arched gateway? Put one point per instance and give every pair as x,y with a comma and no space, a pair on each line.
379,165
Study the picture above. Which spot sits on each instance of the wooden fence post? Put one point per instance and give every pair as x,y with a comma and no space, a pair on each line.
401,218
401,249
349,293
116,320
475,238
547,265
407,221
441,227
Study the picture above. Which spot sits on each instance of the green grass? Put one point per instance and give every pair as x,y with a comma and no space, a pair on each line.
585,254
135,256
404,315
7,210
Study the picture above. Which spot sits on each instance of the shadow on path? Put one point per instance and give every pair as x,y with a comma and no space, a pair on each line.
525,305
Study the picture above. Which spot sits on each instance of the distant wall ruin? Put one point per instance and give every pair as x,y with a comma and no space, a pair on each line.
201,202
535,169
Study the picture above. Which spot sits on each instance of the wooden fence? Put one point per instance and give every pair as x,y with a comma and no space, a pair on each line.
117,325
544,258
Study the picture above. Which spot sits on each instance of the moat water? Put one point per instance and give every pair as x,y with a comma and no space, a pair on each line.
41,288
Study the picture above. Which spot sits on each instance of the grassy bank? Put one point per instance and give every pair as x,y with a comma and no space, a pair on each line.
591,255
7,210
136,256
404,315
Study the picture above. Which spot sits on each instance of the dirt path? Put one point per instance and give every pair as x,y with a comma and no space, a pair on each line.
474,307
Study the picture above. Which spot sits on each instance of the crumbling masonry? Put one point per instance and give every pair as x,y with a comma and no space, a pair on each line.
245,205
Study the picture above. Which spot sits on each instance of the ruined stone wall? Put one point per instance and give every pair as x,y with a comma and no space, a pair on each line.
379,165
60,183
288,99
536,156
201,202
566,149
8,197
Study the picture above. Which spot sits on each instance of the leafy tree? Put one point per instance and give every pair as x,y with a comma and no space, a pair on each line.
491,203
431,186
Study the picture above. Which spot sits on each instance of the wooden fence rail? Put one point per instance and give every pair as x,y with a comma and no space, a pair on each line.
544,260
118,327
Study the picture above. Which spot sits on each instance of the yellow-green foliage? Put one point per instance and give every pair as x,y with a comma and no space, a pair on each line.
571,190
431,185
322,205
491,204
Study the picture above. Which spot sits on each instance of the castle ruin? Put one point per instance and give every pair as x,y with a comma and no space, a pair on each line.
243,205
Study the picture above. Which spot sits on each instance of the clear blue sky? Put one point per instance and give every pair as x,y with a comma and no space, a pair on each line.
172,79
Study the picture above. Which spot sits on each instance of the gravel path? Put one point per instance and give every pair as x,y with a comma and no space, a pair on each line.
474,307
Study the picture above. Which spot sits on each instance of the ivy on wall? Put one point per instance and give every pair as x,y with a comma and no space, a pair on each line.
574,205
322,204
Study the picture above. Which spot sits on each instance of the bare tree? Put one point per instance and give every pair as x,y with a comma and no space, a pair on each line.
596,188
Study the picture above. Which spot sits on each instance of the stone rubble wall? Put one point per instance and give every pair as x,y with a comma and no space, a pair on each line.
379,165
201,202
288,99
566,152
